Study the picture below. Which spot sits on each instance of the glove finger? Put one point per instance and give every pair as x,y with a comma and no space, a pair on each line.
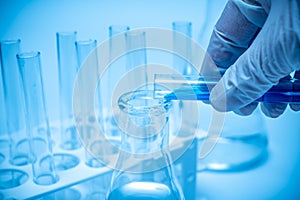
273,110
238,87
247,110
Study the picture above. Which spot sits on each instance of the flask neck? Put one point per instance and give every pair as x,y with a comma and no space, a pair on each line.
143,121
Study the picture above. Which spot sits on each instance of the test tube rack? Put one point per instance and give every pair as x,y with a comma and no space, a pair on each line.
79,173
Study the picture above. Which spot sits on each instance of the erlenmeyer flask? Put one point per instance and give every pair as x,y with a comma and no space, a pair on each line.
242,144
143,170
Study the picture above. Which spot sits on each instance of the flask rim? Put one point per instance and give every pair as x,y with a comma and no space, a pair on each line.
150,104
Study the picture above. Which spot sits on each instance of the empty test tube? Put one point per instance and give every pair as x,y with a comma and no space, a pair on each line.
110,79
178,87
137,57
87,55
14,106
3,127
182,45
67,70
37,125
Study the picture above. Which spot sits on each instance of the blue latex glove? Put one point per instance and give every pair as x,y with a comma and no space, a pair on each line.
257,43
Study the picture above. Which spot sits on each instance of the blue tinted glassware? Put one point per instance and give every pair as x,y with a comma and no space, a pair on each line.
3,124
182,45
110,79
145,133
67,70
136,58
37,125
87,55
14,103
3,127
243,140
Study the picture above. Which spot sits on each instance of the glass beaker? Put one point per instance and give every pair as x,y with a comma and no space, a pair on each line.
67,71
144,169
14,105
37,125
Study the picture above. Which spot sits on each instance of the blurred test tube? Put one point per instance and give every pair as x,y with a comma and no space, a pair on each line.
3,127
14,103
136,58
182,45
67,68
37,125
3,123
111,77
87,55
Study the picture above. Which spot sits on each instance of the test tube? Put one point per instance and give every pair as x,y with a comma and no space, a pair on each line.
182,32
87,55
182,45
3,127
178,87
14,105
37,125
67,70
136,57
110,78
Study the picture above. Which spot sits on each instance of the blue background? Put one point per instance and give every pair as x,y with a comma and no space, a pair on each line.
36,22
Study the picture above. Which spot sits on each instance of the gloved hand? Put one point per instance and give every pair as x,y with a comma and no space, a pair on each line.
256,43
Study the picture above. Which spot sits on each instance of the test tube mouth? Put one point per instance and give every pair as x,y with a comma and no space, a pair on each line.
135,33
66,33
28,55
118,28
10,41
181,23
86,42
143,102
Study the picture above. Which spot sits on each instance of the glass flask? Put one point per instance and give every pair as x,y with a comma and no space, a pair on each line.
144,170
242,143
14,103
37,125
67,71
